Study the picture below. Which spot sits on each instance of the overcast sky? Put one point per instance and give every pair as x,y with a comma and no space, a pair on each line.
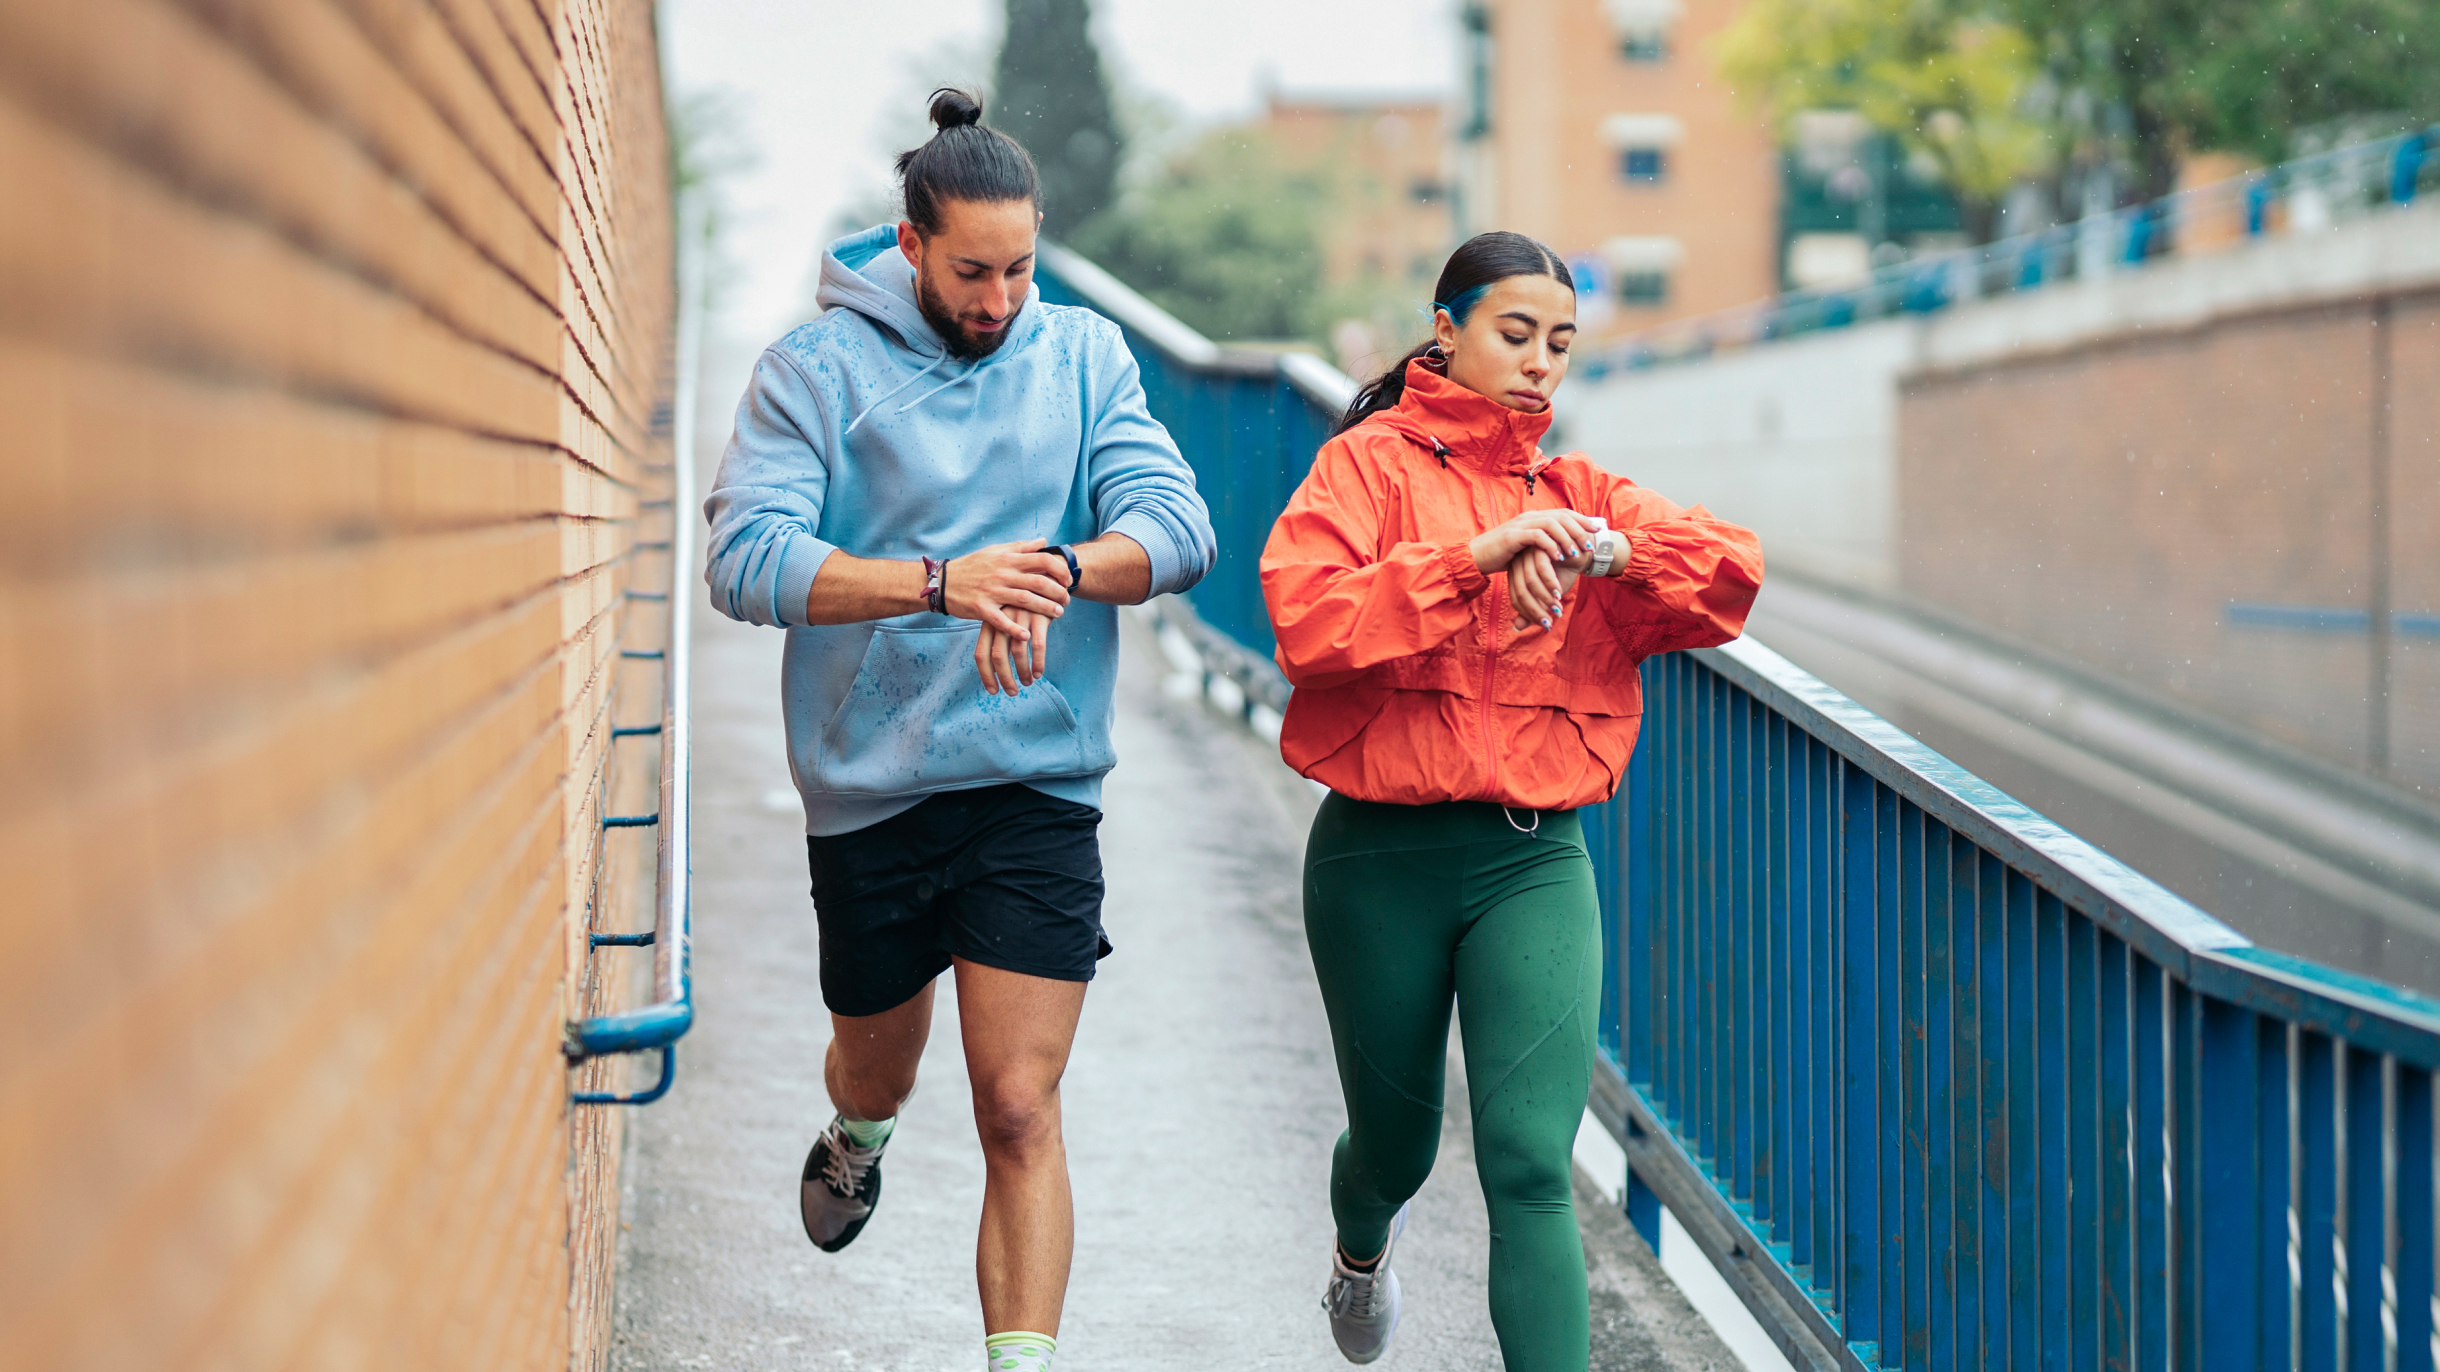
818,87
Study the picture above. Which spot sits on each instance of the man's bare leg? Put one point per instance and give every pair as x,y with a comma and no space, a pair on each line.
1017,1031
870,1065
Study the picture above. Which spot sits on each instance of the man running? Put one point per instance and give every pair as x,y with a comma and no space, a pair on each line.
940,488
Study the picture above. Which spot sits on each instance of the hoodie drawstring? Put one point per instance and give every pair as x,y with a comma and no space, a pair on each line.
936,390
1441,450
868,410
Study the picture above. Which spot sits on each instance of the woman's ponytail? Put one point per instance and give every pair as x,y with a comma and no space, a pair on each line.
1479,263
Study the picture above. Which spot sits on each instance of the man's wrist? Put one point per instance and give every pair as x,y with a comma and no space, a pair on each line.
932,584
1075,568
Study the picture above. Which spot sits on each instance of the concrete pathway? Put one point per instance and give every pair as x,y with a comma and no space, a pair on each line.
1200,1103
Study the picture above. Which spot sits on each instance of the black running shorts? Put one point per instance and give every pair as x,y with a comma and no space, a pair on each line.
1005,876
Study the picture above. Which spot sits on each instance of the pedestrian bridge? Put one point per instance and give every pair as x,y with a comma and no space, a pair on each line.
371,775
1924,1079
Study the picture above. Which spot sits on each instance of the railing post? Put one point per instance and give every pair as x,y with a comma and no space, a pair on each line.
2406,168
1860,1242
2367,1235
2317,1205
2414,1219
2225,1234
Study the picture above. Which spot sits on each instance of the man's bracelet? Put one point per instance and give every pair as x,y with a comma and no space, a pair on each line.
936,585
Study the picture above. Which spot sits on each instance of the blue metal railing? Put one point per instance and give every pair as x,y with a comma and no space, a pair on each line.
1931,1081
2301,196
662,1022
1936,1083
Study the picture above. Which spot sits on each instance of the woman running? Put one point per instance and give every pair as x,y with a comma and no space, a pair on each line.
1462,615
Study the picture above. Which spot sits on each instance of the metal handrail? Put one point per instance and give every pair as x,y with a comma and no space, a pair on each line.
2388,171
1932,1081
672,1011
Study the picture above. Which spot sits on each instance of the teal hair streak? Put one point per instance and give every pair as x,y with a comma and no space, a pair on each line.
1462,304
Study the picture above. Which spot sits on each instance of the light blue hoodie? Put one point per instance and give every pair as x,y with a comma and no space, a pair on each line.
860,432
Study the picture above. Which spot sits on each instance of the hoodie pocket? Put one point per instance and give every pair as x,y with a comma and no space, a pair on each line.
916,719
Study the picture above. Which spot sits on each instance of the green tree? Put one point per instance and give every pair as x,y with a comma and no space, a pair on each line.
1050,94
2265,69
1225,238
1948,83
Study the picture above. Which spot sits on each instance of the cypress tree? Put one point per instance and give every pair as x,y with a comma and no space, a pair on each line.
1050,95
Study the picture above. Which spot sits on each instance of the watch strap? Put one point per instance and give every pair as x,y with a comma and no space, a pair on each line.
1075,568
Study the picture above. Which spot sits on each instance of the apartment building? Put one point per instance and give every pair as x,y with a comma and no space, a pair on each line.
1602,128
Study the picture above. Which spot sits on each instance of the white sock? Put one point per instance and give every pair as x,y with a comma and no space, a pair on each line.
1018,1350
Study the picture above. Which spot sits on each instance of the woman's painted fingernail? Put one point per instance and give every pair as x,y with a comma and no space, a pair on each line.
1546,621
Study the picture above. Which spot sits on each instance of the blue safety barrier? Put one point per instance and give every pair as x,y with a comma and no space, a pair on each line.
1938,1084
1932,1082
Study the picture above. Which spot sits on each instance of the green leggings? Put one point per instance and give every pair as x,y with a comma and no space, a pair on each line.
1407,907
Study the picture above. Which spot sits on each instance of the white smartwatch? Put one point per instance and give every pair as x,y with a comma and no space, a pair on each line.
1609,548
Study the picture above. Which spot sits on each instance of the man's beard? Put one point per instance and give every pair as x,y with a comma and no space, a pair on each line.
954,335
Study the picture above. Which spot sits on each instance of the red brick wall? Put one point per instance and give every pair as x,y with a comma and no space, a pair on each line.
2111,502
331,337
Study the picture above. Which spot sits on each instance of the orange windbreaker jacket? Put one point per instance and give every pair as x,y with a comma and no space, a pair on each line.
1412,686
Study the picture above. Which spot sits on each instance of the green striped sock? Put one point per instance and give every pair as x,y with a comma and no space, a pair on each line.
867,1133
1018,1350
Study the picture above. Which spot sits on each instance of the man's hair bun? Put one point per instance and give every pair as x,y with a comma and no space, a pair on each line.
984,166
953,108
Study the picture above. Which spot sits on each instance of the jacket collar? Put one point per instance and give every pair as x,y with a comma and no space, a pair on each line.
1476,430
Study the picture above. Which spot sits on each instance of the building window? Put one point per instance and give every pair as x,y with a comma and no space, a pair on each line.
1643,27
1475,20
1639,268
1643,289
1642,144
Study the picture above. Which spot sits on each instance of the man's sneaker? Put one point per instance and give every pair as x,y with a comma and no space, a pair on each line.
842,1185
1363,1306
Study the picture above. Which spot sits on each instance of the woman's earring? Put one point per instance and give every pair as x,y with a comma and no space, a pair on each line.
1435,356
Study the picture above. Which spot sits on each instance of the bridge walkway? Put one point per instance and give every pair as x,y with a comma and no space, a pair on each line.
1200,1103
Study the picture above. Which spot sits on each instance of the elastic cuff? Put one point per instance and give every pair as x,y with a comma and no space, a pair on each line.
1643,559
1168,563
1468,578
798,565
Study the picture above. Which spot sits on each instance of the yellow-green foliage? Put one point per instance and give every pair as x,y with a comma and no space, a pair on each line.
1946,83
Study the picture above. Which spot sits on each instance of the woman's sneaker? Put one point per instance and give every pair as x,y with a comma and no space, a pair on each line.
1363,1306
842,1185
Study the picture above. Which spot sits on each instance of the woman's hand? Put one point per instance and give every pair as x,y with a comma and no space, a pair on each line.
1008,663
1536,585
1563,536
1002,584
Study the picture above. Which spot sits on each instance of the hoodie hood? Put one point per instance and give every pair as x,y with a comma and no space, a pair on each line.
866,273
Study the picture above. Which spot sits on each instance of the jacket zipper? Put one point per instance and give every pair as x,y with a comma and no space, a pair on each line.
1491,653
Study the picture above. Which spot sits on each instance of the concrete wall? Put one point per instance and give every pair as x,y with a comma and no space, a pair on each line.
2107,474
332,334
1796,440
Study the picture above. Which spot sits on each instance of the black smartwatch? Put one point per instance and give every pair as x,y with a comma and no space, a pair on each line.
1075,572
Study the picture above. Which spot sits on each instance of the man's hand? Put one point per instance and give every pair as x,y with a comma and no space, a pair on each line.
1008,664
1005,586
